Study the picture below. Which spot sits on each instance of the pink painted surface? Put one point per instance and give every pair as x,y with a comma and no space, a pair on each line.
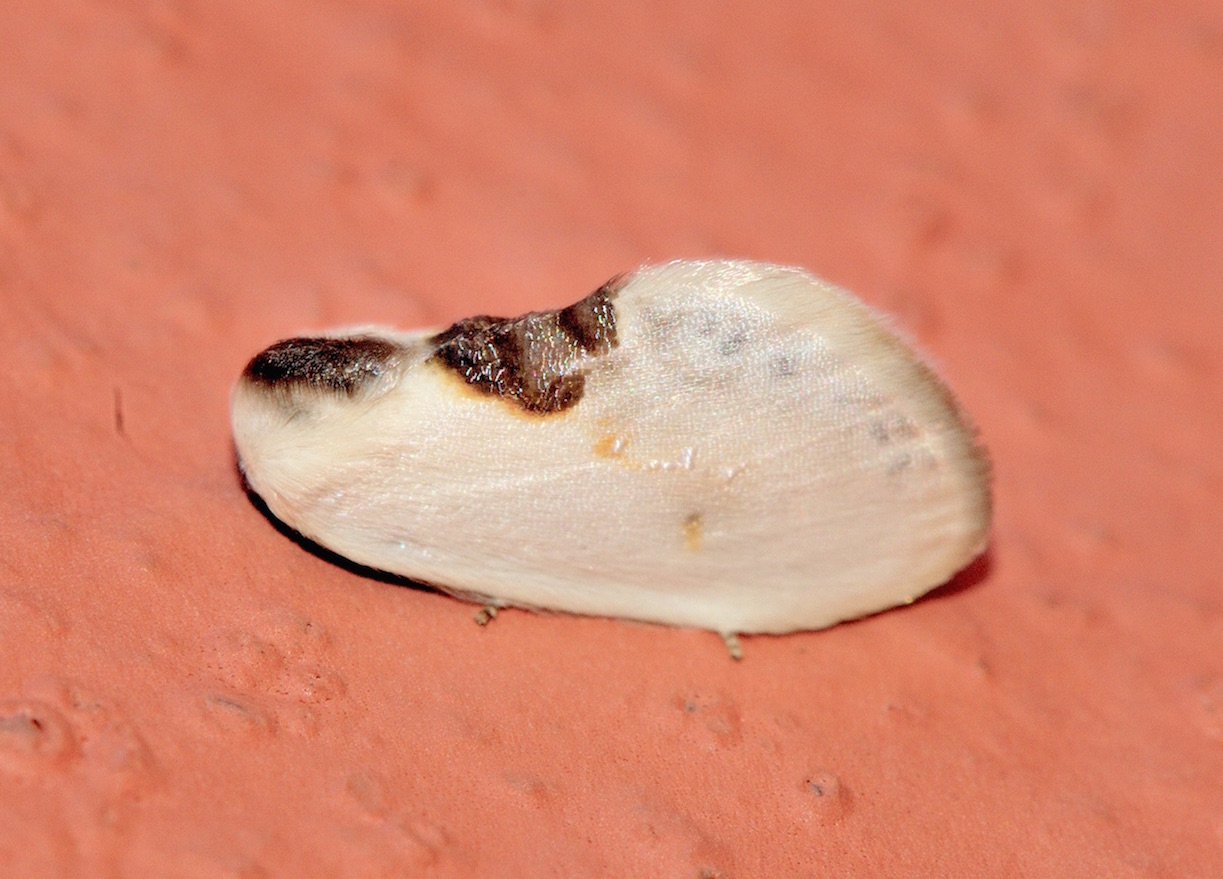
1035,190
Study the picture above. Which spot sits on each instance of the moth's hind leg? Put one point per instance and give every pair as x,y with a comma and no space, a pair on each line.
733,647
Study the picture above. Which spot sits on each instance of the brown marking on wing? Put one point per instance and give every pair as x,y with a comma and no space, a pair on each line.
694,531
536,361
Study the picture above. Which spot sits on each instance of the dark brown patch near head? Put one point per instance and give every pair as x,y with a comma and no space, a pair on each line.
535,361
343,365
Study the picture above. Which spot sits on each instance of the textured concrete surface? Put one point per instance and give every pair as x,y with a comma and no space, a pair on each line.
1035,190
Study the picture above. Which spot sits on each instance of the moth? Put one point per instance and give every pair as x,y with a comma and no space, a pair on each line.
722,444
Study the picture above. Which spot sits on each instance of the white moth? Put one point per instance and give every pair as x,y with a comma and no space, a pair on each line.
724,444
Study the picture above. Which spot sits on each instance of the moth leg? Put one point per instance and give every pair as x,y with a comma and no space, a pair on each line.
733,647
485,615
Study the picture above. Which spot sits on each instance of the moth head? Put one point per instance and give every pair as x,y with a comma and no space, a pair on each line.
298,405
347,365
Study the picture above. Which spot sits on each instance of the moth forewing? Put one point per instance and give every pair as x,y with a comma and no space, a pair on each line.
725,444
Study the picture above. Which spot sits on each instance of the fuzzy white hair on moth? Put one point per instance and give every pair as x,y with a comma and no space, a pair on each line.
724,444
